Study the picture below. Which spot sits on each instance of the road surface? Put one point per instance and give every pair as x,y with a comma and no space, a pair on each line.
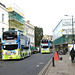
28,66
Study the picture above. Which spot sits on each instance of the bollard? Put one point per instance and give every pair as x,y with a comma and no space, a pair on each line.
53,62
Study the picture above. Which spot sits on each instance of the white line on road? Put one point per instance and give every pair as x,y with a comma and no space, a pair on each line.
41,72
37,66
41,63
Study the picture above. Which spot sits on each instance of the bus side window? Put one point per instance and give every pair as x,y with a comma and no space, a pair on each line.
26,48
21,47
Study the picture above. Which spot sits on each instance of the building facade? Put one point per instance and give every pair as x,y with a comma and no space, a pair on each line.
64,34
16,17
50,37
29,31
3,19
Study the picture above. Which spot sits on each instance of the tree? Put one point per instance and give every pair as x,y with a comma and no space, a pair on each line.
38,35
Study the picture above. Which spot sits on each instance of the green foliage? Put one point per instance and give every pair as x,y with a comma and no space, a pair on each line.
38,35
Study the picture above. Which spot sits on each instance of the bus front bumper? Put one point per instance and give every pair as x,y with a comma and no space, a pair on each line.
11,57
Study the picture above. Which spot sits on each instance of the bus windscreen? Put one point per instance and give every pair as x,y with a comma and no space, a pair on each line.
44,41
9,35
26,47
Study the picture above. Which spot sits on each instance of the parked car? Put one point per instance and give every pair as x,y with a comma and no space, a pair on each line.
34,50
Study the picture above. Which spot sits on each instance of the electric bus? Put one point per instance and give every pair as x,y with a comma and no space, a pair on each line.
46,46
15,45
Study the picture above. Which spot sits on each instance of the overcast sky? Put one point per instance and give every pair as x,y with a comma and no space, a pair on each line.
44,13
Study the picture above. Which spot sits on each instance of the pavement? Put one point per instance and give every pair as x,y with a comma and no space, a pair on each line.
62,67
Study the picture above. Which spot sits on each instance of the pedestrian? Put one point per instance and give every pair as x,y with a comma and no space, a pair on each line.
72,54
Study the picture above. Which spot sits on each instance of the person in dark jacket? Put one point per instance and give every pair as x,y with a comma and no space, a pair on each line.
72,54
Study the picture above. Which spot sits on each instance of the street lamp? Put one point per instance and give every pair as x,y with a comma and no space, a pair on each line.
72,30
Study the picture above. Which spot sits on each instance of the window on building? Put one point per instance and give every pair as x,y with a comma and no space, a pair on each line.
2,17
2,29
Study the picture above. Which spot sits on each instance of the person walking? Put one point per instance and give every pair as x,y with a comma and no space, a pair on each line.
72,54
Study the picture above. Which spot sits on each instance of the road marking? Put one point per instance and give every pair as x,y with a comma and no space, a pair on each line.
45,67
37,66
41,63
